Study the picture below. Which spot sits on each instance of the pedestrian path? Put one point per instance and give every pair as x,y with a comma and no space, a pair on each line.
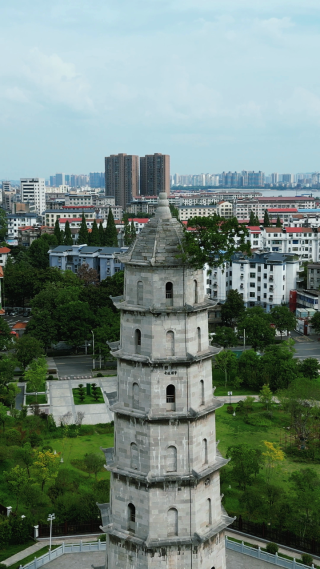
39,545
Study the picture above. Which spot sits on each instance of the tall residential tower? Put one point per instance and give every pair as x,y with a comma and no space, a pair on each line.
154,174
122,177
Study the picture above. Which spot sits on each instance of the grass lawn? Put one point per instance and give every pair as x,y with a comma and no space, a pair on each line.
76,448
221,390
10,550
31,557
31,399
233,430
88,399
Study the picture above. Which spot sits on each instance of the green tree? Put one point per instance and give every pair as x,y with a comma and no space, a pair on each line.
278,367
301,401
266,220
283,319
111,235
83,236
226,361
3,415
38,253
233,308
249,369
3,224
266,397
253,220
58,233
309,368
26,349
25,455
17,480
127,232
252,503
256,324
94,236
225,337
133,232
7,367
315,322
36,373
5,335
246,463
305,484
101,234
45,467
213,241
67,234
75,322
93,463
278,224
174,211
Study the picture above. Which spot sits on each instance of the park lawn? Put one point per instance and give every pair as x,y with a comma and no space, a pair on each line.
10,550
75,449
233,431
32,399
221,391
88,399
31,557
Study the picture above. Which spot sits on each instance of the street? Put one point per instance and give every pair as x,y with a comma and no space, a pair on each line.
306,346
69,366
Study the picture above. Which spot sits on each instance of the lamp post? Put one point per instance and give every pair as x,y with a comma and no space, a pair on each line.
230,394
51,517
244,339
93,358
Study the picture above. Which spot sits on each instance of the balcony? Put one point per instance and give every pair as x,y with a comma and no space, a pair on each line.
271,289
241,277
270,279
271,297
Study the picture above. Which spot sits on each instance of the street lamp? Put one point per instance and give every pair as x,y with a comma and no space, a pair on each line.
230,393
93,359
51,517
244,339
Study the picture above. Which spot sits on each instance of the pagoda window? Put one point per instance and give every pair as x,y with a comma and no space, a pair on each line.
171,398
202,392
131,518
140,292
205,451
172,522
199,339
135,396
196,299
138,341
171,459
169,294
170,343
134,455
209,512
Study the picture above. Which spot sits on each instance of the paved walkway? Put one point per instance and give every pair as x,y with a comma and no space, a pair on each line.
61,400
239,561
93,559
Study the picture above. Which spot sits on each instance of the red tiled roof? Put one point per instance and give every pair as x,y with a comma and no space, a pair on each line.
27,227
254,228
285,199
298,230
283,210
139,219
1,272
77,206
19,326
4,250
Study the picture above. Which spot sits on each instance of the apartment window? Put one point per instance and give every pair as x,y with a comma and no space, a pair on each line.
252,275
252,294
259,269
265,275
259,279
252,285
252,266
265,266
264,295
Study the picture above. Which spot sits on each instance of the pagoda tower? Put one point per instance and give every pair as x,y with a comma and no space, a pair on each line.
165,507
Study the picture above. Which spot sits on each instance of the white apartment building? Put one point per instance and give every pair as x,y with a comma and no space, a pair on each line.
33,191
264,279
16,220
225,209
188,211
302,241
260,205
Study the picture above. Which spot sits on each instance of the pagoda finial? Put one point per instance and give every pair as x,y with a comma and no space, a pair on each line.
163,209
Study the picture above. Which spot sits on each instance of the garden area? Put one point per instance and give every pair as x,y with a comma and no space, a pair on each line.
86,395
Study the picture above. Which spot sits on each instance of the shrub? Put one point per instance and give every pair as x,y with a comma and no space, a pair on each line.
47,447
230,409
5,533
13,437
50,377
35,440
20,530
99,374
272,548
102,537
307,559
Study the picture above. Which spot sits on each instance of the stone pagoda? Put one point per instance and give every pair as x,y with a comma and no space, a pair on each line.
165,507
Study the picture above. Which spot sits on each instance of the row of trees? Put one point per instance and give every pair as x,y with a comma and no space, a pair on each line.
98,236
277,367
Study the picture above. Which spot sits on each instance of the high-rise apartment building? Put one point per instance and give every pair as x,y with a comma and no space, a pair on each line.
154,174
96,180
33,191
275,178
60,179
122,177
288,178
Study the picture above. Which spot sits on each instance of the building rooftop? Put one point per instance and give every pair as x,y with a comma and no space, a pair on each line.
267,257
4,250
298,230
282,210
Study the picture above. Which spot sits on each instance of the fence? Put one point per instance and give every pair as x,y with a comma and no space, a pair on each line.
61,550
70,528
264,556
285,537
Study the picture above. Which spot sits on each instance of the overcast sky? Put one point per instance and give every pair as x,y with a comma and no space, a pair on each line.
217,84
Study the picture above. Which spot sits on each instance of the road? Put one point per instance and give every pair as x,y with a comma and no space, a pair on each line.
306,346
73,365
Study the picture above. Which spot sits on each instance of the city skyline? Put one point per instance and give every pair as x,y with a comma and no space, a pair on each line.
215,85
